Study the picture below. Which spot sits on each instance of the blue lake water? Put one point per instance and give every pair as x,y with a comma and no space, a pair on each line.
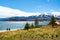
17,24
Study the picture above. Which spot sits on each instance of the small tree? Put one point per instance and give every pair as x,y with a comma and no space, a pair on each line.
52,21
36,22
27,26
32,26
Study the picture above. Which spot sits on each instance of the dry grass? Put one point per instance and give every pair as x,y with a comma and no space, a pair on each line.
42,33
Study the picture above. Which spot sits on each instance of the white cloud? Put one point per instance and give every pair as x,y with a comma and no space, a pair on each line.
8,12
56,13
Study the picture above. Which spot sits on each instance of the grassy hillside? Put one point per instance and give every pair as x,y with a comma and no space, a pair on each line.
42,33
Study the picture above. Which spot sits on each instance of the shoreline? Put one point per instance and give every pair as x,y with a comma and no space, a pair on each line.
8,30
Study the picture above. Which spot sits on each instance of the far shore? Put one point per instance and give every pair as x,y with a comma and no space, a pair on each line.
28,20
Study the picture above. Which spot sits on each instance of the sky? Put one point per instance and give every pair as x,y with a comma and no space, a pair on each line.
10,8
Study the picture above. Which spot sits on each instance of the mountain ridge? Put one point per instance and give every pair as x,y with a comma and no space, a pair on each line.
29,18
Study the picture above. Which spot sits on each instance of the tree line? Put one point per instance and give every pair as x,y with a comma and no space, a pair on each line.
36,23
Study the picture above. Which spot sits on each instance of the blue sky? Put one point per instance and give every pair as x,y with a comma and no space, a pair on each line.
32,5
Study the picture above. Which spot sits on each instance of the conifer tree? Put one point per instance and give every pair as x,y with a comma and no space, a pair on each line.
32,26
27,26
36,22
52,21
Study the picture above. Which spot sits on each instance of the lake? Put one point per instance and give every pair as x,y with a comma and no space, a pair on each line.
17,24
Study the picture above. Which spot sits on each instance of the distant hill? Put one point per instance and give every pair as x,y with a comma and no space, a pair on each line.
29,18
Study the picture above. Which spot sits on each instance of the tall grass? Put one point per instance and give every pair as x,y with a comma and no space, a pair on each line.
42,33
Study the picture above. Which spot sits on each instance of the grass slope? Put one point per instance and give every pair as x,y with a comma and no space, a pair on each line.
42,33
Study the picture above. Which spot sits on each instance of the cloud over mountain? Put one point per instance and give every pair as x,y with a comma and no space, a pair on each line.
56,13
8,12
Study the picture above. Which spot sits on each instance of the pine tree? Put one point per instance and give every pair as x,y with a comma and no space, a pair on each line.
27,26
32,26
52,21
36,22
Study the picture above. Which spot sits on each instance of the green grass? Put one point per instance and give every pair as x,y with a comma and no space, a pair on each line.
42,33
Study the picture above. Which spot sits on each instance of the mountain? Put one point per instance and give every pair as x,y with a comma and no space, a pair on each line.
41,17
